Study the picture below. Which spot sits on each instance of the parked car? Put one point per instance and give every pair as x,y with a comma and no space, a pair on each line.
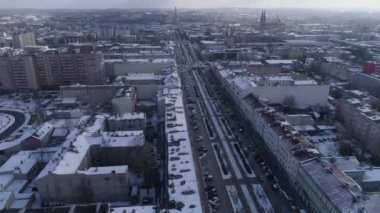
275,187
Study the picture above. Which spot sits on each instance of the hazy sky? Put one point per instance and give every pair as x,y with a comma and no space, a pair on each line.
367,4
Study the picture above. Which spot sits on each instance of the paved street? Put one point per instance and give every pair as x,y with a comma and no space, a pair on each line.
227,158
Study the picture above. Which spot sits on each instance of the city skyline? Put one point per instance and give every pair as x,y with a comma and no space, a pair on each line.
101,4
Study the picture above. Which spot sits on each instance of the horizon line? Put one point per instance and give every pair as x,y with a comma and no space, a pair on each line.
199,8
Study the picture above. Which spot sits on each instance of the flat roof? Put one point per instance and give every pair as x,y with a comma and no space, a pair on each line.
279,61
134,209
183,189
127,116
68,159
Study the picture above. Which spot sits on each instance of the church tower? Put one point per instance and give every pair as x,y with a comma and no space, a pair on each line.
263,20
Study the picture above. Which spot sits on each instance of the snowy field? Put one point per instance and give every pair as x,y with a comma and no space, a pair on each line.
5,121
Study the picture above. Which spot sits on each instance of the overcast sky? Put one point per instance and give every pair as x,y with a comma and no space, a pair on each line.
87,4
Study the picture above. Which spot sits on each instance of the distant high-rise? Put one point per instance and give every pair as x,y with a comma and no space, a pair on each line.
21,40
175,15
56,69
49,69
106,33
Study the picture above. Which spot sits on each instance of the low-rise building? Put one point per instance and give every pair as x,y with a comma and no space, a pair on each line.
330,185
157,66
40,138
362,122
124,100
127,121
147,84
91,168
287,89
368,81
89,93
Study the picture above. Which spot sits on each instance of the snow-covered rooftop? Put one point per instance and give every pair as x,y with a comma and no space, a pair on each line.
68,159
44,129
134,209
19,163
127,116
141,76
125,92
183,183
105,170
279,62
150,61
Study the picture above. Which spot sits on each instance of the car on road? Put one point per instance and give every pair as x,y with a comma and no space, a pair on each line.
202,148
251,148
208,188
265,168
275,187
269,175
208,177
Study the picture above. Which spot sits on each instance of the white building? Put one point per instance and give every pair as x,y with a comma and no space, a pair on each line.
277,89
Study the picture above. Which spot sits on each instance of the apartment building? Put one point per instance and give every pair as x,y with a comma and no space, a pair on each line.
127,121
361,121
48,68
17,72
21,40
55,68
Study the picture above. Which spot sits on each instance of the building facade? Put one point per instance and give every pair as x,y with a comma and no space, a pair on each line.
21,40
56,69
17,72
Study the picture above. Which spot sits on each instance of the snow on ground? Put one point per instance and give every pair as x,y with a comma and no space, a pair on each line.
6,121
224,176
248,198
20,101
234,199
226,128
201,108
248,171
20,134
262,198
219,131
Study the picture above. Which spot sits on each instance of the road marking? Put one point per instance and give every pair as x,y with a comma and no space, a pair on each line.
249,199
262,198
226,128
224,176
237,207
229,154
248,171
